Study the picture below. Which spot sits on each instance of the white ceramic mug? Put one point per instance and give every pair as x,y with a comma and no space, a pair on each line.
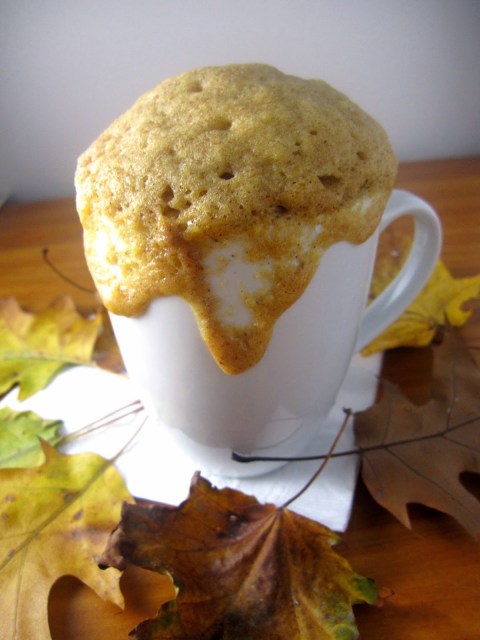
275,408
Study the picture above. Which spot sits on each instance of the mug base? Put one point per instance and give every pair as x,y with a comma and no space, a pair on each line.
213,461
357,393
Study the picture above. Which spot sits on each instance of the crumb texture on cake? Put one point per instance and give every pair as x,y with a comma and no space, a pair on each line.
240,154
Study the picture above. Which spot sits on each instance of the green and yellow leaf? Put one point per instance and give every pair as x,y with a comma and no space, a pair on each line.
55,520
35,347
20,434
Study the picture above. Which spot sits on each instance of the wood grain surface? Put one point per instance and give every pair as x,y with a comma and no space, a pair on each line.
430,576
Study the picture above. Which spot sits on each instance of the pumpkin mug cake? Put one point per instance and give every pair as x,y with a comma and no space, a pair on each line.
226,187
241,156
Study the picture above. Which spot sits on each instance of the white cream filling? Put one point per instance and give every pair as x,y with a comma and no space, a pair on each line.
232,279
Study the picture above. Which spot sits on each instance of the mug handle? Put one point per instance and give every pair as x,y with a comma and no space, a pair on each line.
421,261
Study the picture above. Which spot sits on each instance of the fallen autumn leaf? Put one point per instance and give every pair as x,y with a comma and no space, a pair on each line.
242,569
55,520
20,434
35,347
439,304
415,454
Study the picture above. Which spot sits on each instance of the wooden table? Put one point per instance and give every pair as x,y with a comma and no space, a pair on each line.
432,573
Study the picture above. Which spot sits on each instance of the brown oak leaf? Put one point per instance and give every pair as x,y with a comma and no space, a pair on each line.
242,569
416,454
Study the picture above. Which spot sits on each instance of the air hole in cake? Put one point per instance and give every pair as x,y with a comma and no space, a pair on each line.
361,155
329,181
170,212
167,194
227,175
313,132
194,87
281,209
220,124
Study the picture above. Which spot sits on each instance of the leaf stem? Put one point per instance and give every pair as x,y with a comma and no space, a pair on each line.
325,461
130,409
62,275
130,440
238,457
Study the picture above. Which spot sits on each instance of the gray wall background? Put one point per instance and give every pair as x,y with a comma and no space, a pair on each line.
68,68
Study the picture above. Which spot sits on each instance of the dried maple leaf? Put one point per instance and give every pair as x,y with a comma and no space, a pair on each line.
19,437
243,570
54,521
439,304
34,347
415,454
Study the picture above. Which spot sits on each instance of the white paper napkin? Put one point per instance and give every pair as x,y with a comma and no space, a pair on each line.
152,470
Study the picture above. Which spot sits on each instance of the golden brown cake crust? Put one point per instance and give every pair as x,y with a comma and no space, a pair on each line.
239,152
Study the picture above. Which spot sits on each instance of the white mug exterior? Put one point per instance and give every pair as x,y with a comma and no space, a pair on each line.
276,407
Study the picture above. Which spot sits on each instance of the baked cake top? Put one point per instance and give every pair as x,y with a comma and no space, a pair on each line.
240,156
